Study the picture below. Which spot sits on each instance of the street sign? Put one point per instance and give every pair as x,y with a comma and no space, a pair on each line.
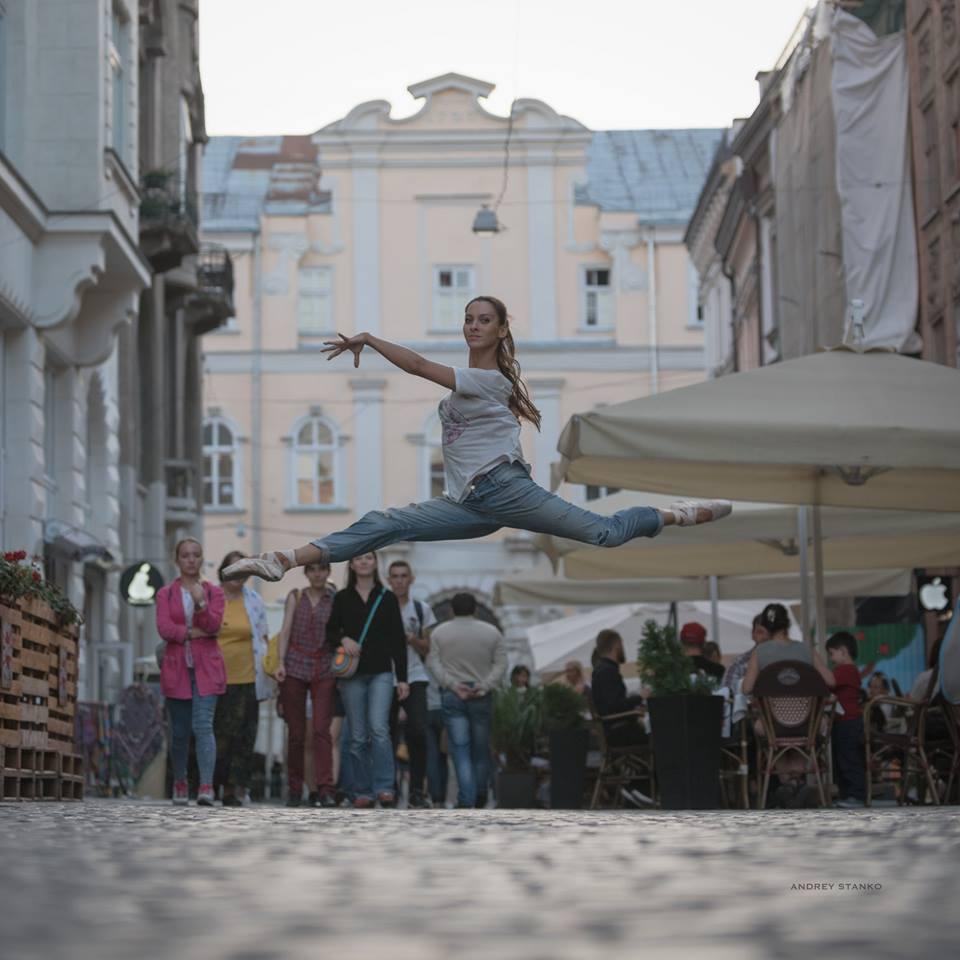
140,583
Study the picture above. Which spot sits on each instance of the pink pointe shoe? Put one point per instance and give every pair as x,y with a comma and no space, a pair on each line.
268,566
687,512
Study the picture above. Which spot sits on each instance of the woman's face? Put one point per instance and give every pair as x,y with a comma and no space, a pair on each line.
190,559
364,565
521,679
316,575
876,687
481,328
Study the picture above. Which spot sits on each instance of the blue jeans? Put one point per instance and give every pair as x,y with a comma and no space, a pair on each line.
366,699
196,713
504,497
468,730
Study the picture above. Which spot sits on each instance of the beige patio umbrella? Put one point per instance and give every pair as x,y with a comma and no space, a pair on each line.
762,539
841,428
560,591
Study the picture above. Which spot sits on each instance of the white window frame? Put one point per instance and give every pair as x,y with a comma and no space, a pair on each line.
599,290
318,295
447,303
213,450
432,428
119,53
318,449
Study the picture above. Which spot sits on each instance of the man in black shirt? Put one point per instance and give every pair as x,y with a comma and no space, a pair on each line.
693,636
609,693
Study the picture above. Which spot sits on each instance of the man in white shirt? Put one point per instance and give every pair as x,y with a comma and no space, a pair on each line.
418,619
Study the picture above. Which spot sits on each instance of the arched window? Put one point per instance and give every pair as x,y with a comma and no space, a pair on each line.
221,473
434,481
315,466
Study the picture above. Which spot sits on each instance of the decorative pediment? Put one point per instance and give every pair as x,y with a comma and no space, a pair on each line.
451,102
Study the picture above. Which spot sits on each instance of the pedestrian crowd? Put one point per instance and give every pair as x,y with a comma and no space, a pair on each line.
421,693
430,684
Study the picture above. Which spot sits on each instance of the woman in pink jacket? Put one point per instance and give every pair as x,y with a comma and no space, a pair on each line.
193,675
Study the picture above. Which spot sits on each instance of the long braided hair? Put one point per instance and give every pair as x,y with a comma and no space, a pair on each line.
521,405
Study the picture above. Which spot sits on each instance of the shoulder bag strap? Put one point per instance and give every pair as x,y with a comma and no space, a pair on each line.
370,615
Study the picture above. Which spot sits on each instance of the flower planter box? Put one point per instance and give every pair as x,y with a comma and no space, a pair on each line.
686,732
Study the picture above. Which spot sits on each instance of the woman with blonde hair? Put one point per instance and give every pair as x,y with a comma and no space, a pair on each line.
488,482
192,675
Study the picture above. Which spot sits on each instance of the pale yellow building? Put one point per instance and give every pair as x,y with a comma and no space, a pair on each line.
367,225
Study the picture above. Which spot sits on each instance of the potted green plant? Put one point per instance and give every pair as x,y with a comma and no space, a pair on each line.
516,722
685,720
564,724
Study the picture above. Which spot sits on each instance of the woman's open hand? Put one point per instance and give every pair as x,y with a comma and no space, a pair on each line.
333,348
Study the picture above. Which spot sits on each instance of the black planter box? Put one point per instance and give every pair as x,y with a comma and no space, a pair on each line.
686,750
568,768
517,791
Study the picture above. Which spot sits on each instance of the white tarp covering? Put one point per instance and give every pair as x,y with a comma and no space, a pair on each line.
870,95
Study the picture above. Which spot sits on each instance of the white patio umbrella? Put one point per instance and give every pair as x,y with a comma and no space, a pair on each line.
841,428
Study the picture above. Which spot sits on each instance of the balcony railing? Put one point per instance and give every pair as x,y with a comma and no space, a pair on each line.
168,219
215,270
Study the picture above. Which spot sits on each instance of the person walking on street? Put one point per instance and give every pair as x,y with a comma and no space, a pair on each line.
189,612
366,604
468,658
488,482
304,673
243,641
418,620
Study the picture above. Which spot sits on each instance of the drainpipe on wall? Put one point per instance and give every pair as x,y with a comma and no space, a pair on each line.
652,310
758,239
256,389
729,274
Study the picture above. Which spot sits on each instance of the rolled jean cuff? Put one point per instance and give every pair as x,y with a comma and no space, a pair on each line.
659,530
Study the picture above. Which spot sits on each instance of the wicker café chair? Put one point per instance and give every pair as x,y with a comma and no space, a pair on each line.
792,697
918,756
620,766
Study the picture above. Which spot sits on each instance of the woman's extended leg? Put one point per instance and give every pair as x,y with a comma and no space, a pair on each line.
515,500
436,519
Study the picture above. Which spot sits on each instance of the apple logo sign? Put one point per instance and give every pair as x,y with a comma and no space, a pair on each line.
933,595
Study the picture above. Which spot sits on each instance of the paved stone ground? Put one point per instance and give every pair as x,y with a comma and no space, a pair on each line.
117,880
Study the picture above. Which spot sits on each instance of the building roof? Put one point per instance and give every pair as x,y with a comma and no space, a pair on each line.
657,174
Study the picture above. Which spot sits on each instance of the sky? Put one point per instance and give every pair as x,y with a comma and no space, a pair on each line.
293,66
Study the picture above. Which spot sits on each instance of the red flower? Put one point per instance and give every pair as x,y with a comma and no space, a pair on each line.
36,577
884,649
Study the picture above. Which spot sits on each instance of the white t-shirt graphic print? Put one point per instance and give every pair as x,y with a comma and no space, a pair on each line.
479,431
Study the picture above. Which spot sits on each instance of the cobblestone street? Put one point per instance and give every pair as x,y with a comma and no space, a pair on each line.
119,880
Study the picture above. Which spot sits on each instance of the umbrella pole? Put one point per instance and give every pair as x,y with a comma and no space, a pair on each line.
821,607
714,610
803,539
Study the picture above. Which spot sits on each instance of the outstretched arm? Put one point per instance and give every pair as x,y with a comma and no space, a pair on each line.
407,360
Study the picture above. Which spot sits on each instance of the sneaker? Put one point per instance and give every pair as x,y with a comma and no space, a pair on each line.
296,801
205,796
268,566
362,803
419,801
181,793
313,799
230,800
687,512
643,798
387,799
326,800
635,798
849,803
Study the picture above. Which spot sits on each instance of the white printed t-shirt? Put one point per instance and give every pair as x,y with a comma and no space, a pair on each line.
479,429
416,671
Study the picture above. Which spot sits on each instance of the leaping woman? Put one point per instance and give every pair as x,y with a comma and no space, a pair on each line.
488,483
